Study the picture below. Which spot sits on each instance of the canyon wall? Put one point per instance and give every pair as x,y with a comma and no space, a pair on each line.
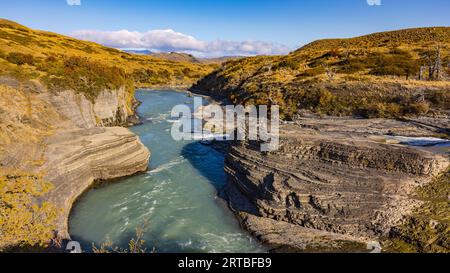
75,159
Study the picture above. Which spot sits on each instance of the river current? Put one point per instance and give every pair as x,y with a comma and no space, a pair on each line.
175,202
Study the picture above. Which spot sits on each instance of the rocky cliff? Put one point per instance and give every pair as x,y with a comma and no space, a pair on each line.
332,186
75,159
110,108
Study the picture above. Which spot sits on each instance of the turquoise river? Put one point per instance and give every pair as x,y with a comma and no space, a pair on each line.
175,202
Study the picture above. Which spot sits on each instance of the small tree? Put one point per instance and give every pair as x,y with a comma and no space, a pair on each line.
135,246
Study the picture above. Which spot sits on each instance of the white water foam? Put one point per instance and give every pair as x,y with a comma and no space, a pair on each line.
167,166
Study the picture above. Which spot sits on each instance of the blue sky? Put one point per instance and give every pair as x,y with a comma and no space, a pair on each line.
286,24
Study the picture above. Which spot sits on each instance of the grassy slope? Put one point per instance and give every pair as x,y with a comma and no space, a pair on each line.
57,60
387,63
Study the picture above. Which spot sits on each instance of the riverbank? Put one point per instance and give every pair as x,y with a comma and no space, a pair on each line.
335,184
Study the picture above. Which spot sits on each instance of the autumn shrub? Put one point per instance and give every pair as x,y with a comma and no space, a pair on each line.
287,63
24,221
17,37
397,63
164,74
439,98
418,108
312,72
188,72
143,75
379,110
136,245
352,66
319,100
20,58
83,75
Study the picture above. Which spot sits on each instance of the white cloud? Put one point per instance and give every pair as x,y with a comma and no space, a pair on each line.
73,2
169,40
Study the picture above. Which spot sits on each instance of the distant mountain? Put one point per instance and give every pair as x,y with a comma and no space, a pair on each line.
220,60
138,52
183,57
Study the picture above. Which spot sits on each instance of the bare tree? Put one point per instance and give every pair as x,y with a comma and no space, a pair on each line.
422,73
437,67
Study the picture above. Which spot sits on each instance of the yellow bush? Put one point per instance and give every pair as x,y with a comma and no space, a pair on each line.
23,220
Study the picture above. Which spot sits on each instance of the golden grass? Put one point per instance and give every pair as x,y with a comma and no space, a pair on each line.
46,47
386,62
24,117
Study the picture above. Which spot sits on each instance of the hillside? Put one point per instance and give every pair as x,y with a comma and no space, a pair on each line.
387,74
61,101
64,62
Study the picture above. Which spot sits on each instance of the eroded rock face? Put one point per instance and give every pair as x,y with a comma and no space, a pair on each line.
110,108
75,159
341,184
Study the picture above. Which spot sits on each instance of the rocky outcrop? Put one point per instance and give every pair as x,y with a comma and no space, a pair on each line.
75,159
115,107
344,184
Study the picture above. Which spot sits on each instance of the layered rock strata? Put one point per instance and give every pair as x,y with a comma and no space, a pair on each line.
332,186
75,159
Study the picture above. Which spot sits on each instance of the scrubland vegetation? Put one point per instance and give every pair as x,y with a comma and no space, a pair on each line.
65,63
